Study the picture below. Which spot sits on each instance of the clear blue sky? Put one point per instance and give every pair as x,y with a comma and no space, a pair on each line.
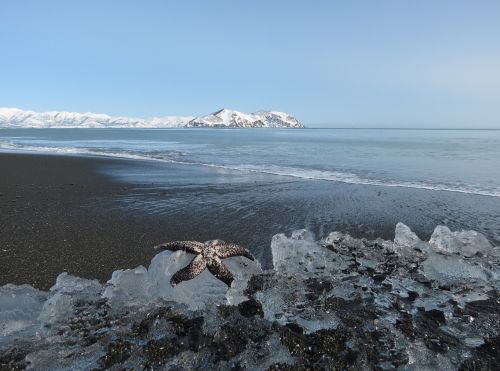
406,63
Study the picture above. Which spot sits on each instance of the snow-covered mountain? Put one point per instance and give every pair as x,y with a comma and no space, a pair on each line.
17,118
235,119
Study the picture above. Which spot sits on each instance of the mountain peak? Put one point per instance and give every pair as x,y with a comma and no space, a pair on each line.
228,118
223,118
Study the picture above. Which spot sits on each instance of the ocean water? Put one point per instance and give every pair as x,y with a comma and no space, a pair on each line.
466,161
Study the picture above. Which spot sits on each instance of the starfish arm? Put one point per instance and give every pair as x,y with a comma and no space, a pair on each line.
220,271
192,247
227,250
193,269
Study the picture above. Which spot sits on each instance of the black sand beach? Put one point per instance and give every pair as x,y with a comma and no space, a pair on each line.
91,216
51,221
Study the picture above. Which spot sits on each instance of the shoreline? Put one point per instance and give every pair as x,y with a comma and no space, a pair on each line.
51,221
92,215
292,176
337,303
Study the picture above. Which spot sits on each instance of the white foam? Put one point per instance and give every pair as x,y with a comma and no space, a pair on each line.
294,172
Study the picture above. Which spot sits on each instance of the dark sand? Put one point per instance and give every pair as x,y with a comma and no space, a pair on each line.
69,214
50,221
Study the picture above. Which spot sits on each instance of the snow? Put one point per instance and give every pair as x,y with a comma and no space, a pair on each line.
232,118
13,117
17,118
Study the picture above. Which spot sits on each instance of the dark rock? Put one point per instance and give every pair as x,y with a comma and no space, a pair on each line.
330,247
250,308
316,287
226,311
117,352
485,357
14,359
255,284
142,328
435,315
379,277
158,351
232,339
412,295
295,328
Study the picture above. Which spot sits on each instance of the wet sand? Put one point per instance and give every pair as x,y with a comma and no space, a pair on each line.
50,221
91,216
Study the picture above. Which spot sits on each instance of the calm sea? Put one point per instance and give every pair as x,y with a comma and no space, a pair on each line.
465,161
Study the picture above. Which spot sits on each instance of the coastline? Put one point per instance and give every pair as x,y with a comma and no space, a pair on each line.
90,216
51,220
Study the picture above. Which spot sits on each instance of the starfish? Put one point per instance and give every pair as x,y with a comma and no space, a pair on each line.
208,255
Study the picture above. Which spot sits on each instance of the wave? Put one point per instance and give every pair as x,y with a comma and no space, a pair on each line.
287,171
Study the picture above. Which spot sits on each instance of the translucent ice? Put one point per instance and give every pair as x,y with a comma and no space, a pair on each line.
285,300
334,238
404,236
302,234
261,359
20,307
407,243
140,285
452,269
330,303
467,243
76,286
65,294
297,256
129,286
64,358
421,359
297,261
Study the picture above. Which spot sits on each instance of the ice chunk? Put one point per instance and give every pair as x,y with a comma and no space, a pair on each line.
196,293
294,256
422,359
131,286
404,236
285,300
473,342
140,285
351,242
76,286
406,242
58,307
451,269
363,295
302,234
64,294
334,238
65,358
20,307
243,269
204,289
467,243
263,357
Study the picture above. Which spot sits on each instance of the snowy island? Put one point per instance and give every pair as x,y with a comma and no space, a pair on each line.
225,118
338,303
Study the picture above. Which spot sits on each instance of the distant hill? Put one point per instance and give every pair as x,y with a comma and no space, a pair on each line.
225,118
